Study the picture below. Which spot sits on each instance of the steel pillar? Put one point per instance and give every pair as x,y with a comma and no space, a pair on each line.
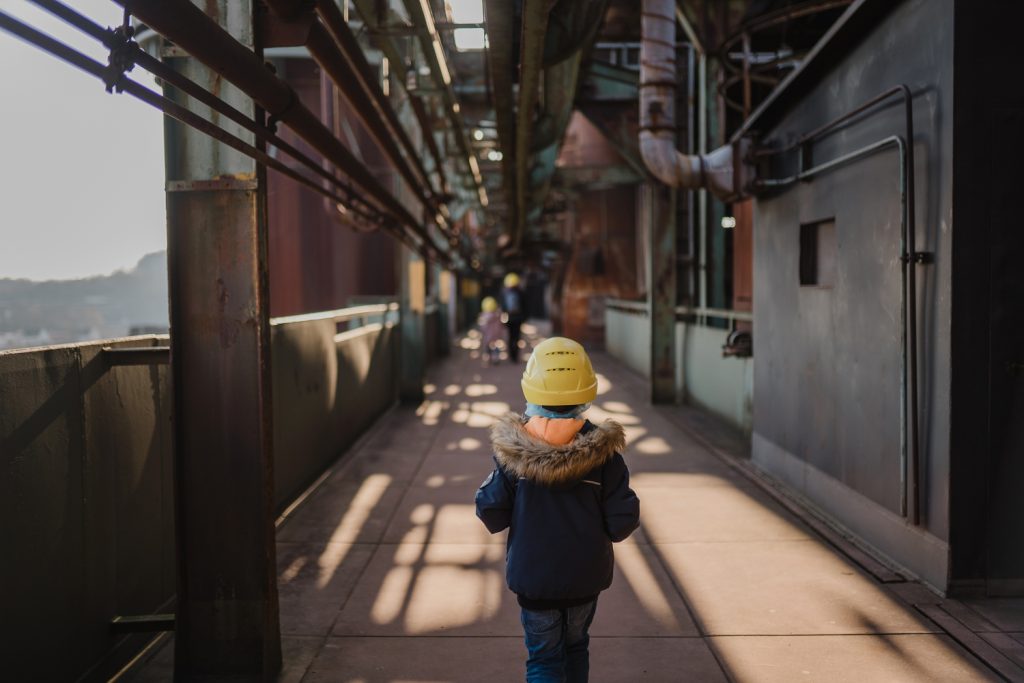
446,306
227,609
412,363
660,219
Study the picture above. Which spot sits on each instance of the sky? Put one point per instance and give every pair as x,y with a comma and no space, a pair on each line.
468,12
81,171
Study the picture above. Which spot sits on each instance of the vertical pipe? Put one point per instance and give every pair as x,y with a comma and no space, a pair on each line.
662,292
412,301
904,412
691,147
702,194
910,278
227,609
747,96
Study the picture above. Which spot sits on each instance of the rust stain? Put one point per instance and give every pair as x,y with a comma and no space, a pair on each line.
228,328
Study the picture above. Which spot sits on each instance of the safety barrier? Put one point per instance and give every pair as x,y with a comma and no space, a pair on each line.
704,377
86,485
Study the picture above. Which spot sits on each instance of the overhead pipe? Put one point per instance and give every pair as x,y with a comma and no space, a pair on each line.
337,193
190,28
501,67
422,17
722,171
336,50
531,62
335,24
367,10
340,70
331,43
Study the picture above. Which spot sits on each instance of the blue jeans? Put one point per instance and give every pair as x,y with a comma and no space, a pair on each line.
557,642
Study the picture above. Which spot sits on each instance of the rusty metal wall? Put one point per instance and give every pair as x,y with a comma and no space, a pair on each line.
86,507
328,389
86,515
317,261
603,261
827,376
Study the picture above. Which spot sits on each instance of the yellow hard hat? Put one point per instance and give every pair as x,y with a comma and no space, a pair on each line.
511,280
559,373
489,304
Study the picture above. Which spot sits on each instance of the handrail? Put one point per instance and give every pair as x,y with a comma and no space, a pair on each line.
137,355
626,306
641,308
339,315
723,313
160,354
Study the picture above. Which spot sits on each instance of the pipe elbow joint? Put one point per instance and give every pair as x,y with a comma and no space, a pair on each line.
667,164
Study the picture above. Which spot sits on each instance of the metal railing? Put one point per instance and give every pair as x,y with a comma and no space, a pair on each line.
363,314
631,307
700,314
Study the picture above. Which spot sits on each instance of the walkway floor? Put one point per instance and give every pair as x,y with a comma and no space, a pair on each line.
387,575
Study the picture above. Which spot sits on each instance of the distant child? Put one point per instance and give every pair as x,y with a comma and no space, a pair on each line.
561,487
492,330
513,303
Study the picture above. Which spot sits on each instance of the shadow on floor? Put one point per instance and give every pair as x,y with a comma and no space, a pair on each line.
387,575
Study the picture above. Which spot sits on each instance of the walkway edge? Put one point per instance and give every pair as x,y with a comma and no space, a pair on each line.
828,529
946,613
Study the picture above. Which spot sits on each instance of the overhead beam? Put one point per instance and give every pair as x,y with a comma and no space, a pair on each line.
202,38
422,17
531,60
501,29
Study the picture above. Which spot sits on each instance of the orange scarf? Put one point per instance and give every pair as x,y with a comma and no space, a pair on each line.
555,431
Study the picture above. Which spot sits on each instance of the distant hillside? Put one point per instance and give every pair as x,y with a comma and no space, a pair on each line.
60,311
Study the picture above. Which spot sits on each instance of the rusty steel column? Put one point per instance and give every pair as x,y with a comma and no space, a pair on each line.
413,299
227,609
660,218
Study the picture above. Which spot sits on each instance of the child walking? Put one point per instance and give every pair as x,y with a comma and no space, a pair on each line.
561,487
492,331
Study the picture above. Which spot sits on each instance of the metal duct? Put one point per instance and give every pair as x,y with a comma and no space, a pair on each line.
714,170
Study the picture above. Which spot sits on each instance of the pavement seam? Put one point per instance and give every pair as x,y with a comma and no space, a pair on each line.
515,637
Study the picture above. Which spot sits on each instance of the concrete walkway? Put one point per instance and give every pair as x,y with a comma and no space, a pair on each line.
387,575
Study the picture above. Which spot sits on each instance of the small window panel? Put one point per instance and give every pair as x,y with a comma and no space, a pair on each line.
818,254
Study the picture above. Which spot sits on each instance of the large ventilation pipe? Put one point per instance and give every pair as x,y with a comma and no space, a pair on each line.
715,171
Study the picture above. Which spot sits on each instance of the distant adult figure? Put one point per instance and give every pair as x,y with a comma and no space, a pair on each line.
513,303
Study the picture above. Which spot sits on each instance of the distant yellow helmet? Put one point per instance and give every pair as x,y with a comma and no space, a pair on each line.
559,373
511,280
489,304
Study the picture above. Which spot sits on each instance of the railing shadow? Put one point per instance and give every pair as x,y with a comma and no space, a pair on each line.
714,571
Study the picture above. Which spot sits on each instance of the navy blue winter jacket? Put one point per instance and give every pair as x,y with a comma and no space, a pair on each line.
564,507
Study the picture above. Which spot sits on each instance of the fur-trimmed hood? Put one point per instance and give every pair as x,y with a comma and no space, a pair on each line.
523,455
